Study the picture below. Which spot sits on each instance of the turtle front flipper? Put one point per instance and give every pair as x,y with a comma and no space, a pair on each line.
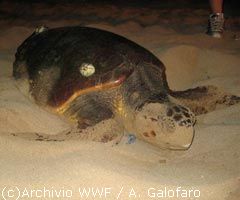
106,131
205,99
94,120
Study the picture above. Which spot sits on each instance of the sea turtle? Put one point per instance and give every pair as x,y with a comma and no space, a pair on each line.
91,77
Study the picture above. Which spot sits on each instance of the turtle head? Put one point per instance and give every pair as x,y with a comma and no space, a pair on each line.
166,125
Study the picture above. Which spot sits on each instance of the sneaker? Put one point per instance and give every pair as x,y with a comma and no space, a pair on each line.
215,25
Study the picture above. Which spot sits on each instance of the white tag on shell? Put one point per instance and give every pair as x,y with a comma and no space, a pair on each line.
87,69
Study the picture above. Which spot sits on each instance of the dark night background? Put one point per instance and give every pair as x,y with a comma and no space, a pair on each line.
231,7
36,11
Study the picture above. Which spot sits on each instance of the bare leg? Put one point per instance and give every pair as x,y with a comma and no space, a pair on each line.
216,6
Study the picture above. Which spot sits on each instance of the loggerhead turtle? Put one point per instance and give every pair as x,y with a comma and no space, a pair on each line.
91,76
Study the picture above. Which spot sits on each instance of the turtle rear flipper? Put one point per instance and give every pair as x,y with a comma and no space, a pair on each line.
205,99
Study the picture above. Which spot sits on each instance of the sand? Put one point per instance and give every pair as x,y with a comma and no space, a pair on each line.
211,167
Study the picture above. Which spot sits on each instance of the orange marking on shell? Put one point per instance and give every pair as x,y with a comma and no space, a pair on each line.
63,107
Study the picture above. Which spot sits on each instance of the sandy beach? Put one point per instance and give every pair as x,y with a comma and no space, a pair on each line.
210,168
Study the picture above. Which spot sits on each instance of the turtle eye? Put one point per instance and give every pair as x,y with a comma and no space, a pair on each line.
87,69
